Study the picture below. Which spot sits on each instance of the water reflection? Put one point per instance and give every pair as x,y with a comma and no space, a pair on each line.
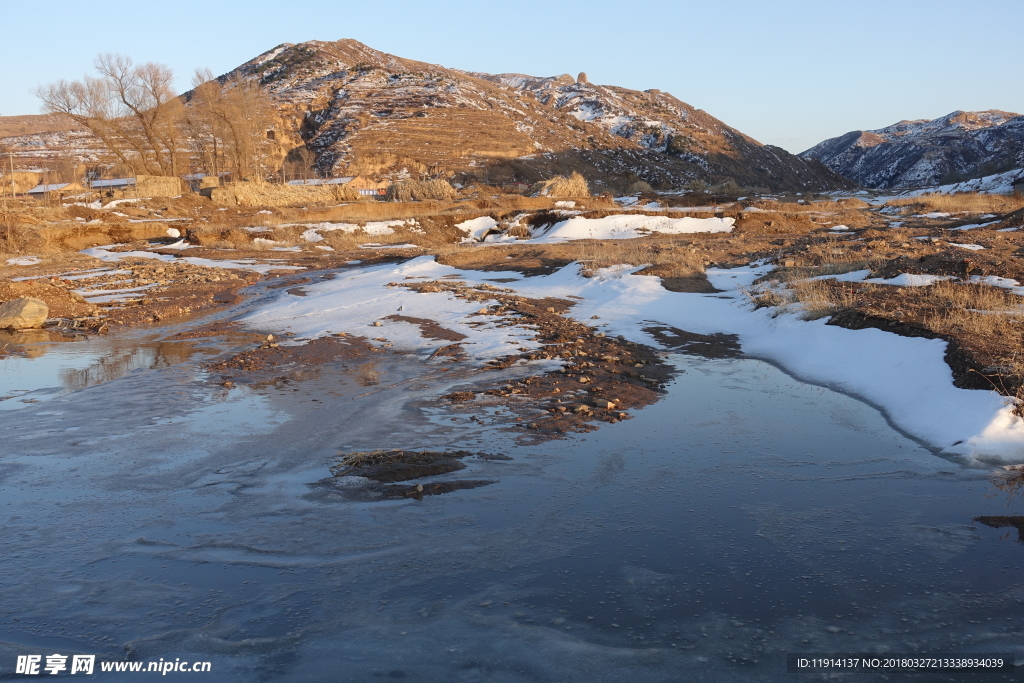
121,362
30,343
41,367
1004,521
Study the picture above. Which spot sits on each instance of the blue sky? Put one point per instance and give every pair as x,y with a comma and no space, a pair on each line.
787,73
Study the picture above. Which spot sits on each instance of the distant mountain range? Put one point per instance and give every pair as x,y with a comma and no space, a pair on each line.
361,111
347,109
913,154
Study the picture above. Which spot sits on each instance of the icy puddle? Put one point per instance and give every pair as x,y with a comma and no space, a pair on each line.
745,516
51,364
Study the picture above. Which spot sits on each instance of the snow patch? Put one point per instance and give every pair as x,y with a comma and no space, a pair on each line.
629,226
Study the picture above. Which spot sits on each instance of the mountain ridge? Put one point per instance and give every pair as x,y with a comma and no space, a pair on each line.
360,110
919,153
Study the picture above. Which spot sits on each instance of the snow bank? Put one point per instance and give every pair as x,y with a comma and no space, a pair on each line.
995,281
630,226
477,229
907,378
910,280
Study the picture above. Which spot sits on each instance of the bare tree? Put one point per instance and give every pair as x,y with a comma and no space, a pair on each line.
227,122
131,108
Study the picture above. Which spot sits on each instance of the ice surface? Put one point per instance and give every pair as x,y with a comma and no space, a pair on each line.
104,254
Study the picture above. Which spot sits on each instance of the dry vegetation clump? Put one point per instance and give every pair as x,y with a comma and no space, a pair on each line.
966,202
639,187
419,190
768,296
974,310
662,258
819,298
368,375
812,299
560,186
267,194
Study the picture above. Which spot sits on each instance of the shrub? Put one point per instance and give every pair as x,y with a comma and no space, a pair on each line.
560,186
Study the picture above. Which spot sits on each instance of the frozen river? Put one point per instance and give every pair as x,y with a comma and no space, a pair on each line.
147,515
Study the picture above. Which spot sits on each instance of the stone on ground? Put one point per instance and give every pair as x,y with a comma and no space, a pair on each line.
22,314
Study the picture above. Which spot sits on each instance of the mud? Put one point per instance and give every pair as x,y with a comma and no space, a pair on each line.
429,328
397,465
602,379
271,362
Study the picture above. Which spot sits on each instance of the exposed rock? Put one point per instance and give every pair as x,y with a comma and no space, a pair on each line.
23,313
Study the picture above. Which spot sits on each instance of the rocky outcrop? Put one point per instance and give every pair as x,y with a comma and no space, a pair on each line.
915,154
23,313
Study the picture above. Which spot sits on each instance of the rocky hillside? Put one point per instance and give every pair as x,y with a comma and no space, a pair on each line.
914,154
362,111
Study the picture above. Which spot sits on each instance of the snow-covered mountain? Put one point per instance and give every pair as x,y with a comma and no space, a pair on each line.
364,111
914,154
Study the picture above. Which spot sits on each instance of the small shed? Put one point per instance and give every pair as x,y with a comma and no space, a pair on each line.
57,189
112,184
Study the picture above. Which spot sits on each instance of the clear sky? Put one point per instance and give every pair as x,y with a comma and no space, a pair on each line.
789,73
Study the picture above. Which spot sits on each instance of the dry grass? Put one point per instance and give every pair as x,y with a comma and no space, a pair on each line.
560,186
980,297
975,310
971,202
420,190
819,298
663,258
11,238
266,194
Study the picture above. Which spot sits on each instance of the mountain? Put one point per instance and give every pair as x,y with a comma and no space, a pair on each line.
912,154
361,111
